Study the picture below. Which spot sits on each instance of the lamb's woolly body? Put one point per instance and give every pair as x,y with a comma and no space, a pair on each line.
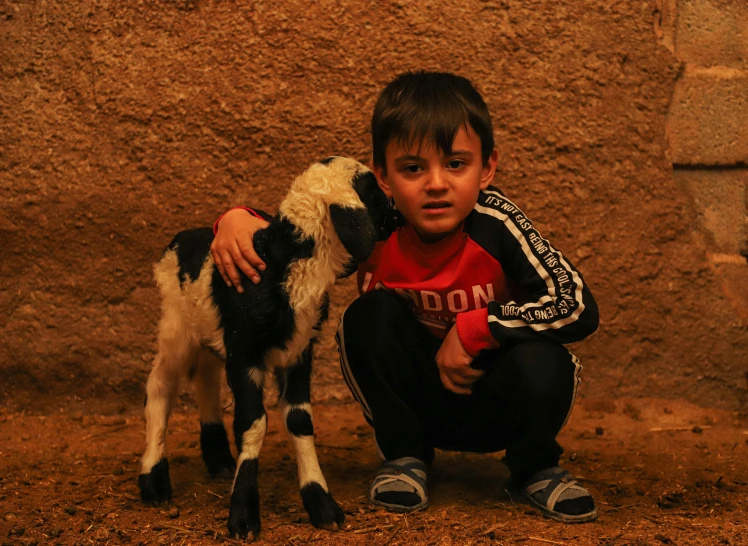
187,308
202,319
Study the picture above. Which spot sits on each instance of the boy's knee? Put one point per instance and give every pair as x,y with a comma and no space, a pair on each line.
377,302
542,369
373,328
372,315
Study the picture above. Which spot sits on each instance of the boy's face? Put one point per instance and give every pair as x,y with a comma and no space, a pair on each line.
435,191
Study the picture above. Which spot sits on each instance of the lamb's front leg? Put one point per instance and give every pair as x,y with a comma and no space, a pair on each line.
250,423
323,511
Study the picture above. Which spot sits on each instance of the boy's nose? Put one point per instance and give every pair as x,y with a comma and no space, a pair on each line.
436,182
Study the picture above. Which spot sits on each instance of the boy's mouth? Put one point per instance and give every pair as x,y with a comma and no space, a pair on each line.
436,206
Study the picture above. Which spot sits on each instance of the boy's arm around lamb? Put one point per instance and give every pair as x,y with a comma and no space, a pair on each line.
232,247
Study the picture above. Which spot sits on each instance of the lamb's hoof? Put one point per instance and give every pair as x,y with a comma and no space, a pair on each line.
214,444
332,527
323,511
155,487
244,509
240,526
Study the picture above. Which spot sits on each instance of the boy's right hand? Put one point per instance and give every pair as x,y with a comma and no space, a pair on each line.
454,362
232,247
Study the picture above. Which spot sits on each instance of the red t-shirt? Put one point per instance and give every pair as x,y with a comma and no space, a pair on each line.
439,280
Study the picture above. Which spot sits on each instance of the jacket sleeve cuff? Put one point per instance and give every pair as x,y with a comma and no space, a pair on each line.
472,327
249,210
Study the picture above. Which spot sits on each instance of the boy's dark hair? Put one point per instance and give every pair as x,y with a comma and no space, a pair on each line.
430,106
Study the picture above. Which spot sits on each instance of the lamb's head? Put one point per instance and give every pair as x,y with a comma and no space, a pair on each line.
337,203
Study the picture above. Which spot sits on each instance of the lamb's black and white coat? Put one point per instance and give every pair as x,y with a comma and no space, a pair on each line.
323,227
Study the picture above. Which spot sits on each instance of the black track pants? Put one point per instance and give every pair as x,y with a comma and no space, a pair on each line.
520,404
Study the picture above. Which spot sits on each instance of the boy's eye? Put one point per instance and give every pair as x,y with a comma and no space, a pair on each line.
455,164
412,168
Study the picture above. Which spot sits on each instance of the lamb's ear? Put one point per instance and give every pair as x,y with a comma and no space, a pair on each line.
355,230
375,201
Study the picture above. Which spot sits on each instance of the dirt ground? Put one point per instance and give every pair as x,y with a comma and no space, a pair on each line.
662,472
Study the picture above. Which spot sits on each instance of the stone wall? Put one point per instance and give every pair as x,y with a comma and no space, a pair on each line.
707,127
124,122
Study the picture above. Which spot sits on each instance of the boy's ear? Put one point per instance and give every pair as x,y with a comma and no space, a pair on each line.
489,169
355,230
382,180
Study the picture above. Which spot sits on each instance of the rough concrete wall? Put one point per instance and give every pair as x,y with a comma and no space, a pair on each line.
123,122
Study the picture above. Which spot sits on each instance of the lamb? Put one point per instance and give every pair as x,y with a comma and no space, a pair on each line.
328,222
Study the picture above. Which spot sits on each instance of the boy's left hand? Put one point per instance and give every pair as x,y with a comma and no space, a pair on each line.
454,365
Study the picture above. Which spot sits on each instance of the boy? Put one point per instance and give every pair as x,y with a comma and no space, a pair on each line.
456,340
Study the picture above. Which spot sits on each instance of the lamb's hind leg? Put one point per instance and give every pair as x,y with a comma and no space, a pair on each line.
323,511
174,356
250,424
214,442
